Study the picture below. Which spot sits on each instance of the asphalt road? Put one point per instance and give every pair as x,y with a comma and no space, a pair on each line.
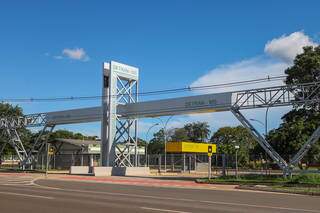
46,196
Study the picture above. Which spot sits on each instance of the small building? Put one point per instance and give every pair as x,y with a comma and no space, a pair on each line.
74,152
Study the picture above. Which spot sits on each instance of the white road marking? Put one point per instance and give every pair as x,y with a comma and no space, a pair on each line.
185,199
16,180
259,206
27,195
163,210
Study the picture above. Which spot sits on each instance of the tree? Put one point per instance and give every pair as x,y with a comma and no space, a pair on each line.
180,134
295,130
141,142
8,110
156,145
197,131
306,69
299,124
70,135
227,138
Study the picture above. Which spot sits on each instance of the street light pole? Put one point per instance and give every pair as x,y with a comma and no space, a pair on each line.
147,143
266,121
265,131
165,140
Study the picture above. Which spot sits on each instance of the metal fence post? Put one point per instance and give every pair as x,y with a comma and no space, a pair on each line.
209,167
189,163
172,163
223,165
184,162
159,163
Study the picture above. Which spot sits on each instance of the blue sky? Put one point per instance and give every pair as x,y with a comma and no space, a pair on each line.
56,48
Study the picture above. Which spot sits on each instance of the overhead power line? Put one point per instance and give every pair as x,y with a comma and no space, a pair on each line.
151,93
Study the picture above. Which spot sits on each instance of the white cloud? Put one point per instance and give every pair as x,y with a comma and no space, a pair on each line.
282,50
76,54
58,57
249,69
287,47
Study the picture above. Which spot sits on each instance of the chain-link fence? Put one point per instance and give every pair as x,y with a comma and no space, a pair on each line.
220,163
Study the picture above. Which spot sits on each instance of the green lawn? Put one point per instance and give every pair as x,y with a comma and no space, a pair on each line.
297,180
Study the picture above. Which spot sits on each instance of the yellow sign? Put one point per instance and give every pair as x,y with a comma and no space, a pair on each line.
51,151
190,147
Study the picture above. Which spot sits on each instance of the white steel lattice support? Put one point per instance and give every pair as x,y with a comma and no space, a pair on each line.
38,145
261,140
3,146
16,143
118,135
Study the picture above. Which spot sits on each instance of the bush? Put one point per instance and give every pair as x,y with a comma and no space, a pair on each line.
306,179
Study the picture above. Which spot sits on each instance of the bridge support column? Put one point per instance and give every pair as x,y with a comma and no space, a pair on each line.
119,136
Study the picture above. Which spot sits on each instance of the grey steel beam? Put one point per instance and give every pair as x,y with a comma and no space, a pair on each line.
260,139
305,148
247,99
288,95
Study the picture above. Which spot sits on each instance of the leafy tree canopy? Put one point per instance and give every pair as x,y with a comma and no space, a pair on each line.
299,124
227,138
8,110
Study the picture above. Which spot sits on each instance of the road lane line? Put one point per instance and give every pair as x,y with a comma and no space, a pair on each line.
163,210
185,200
26,195
259,206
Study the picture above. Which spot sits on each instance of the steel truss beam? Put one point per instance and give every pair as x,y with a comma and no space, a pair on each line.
39,144
286,167
15,141
128,109
10,126
306,94
260,139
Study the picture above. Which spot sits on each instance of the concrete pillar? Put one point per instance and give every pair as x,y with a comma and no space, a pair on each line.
91,160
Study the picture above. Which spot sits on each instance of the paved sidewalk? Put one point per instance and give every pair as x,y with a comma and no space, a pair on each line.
151,181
